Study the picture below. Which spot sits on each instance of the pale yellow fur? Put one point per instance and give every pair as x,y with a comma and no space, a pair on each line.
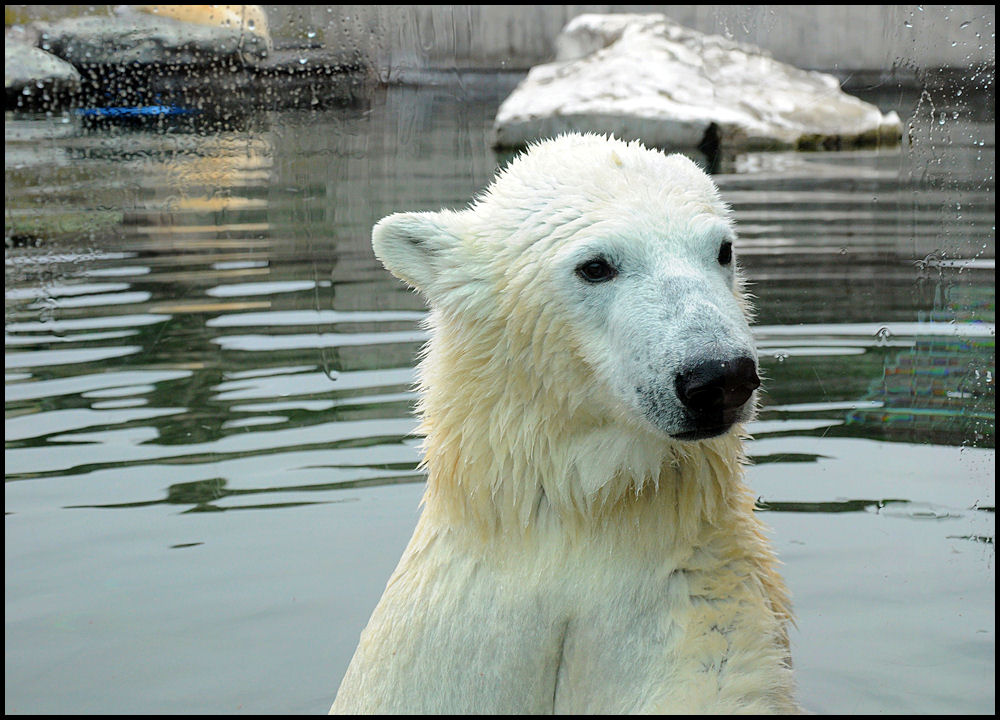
569,558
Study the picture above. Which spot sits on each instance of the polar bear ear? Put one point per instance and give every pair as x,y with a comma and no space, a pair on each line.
419,248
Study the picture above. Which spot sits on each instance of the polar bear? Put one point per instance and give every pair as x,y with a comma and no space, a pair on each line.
586,543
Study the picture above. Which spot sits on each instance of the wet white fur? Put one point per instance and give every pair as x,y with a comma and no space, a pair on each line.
573,556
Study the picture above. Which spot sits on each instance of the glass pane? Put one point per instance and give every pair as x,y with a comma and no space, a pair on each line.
210,461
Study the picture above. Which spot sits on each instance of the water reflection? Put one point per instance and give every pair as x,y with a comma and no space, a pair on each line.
211,495
242,251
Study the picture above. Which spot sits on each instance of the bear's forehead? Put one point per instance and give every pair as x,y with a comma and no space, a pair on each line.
586,171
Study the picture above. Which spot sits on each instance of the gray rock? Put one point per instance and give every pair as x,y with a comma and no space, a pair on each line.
135,38
28,70
646,77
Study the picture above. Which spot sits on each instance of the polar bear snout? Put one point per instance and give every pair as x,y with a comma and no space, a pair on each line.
714,392
717,385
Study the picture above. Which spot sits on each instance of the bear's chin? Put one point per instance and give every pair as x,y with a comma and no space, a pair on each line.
702,433
712,425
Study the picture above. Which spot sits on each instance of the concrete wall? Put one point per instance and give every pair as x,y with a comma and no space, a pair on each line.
403,39
826,37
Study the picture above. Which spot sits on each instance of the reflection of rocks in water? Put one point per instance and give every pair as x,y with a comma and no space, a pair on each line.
213,174
204,495
943,386
210,169
835,506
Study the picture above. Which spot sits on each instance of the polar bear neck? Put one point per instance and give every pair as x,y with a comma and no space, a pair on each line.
507,450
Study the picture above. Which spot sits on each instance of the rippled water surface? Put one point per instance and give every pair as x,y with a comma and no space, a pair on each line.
209,465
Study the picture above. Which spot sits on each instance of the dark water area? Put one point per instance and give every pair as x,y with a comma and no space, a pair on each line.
209,465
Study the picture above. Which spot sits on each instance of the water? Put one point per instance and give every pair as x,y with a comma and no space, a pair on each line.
208,405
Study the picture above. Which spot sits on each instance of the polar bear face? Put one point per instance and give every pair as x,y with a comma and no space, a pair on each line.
600,265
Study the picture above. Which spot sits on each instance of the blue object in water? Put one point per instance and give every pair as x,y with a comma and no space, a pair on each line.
135,112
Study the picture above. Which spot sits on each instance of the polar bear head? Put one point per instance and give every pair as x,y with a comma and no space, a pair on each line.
595,273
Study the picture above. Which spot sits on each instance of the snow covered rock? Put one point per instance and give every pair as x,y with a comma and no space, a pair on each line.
646,77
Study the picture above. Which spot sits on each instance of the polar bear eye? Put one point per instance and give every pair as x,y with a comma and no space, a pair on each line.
596,270
725,253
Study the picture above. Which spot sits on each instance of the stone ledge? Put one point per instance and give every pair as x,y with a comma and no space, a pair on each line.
134,60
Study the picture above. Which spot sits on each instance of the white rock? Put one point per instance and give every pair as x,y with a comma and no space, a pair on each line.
646,77
29,69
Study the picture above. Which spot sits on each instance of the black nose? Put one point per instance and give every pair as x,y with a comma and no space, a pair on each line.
715,386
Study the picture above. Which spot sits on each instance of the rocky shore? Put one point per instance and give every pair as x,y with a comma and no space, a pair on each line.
140,57
637,76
